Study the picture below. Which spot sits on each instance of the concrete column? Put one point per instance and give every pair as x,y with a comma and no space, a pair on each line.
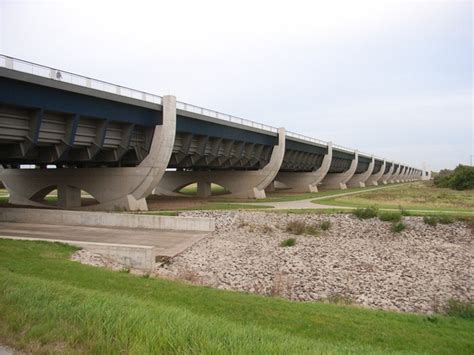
339,180
69,197
113,188
307,182
204,189
374,178
358,180
241,184
395,175
385,177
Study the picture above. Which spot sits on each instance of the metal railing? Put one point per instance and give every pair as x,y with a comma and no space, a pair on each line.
306,138
223,116
345,149
75,79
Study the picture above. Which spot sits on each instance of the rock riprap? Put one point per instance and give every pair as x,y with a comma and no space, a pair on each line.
359,261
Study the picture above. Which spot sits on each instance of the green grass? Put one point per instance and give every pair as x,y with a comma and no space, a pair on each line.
387,216
288,242
191,190
211,206
366,213
414,196
50,304
283,196
398,227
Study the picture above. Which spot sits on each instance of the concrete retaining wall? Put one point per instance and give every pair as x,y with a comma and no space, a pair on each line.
105,219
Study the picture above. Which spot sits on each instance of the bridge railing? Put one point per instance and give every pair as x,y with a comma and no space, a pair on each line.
223,116
306,138
75,79
342,148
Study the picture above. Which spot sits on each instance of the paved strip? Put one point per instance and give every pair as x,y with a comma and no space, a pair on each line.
169,243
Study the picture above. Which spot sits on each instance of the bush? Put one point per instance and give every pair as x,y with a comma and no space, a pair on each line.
430,220
445,219
398,227
296,227
325,225
312,230
365,213
288,242
390,216
462,178
300,227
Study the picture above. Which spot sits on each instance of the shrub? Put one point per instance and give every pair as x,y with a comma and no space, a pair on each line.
462,178
340,299
311,230
325,225
288,242
390,216
445,219
398,227
456,308
430,220
296,227
366,213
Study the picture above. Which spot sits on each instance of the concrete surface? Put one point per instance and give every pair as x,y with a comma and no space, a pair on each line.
339,180
139,248
103,219
306,182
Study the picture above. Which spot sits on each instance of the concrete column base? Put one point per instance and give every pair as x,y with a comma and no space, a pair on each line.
374,179
69,196
204,189
358,180
307,182
339,180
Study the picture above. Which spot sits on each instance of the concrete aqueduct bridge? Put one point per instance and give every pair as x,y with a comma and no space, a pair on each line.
121,145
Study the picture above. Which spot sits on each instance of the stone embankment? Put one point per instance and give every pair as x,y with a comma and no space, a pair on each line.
355,261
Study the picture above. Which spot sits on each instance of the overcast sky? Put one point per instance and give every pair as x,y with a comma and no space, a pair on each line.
393,78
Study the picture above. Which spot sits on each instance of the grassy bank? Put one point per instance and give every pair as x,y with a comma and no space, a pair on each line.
50,304
414,196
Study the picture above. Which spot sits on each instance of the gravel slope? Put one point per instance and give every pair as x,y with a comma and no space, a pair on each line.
359,261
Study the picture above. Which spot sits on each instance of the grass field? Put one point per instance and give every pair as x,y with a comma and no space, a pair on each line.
219,194
51,304
414,196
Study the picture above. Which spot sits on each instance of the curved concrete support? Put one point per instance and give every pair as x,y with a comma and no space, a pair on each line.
244,184
401,175
358,180
395,176
386,177
339,180
407,174
374,178
113,188
401,178
307,182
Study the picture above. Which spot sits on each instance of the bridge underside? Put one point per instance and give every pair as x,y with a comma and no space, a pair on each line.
121,149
